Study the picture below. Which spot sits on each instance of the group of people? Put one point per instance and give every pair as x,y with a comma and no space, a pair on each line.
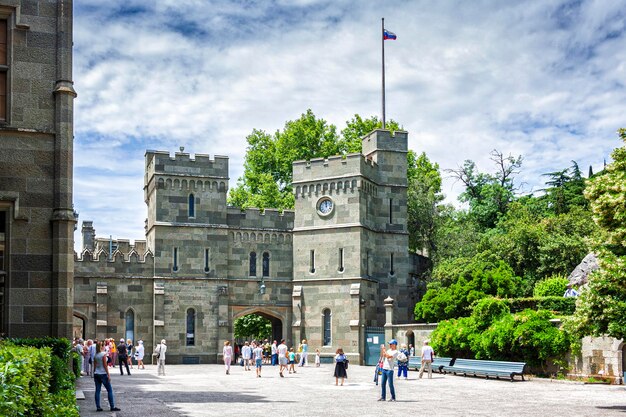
257,353
121,353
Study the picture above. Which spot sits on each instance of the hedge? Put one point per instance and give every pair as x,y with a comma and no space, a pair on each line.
35,379
557,305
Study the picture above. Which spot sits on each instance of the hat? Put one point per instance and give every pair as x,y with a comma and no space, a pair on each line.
122,340
393,342
163,341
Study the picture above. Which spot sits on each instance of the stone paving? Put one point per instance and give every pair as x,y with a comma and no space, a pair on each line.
205,390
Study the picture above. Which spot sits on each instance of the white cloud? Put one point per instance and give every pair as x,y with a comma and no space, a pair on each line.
542,79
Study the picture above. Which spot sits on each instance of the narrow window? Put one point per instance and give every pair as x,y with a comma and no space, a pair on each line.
312,262
206,260
130,325
391,210
175,268
252,264
326,325
266,264
191,326
192,206
391,271
367,263
340,259
4,68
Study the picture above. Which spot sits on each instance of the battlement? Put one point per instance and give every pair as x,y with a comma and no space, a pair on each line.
333,167
385,140
256,218
162,163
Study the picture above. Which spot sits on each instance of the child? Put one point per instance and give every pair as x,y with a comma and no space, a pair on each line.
317,357
292,361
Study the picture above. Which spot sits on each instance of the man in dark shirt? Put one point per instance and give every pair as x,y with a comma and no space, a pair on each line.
122,356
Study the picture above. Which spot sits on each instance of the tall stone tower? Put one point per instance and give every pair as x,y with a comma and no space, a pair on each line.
350,242
36,145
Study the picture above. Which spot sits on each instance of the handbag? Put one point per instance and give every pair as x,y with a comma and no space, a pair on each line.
345,363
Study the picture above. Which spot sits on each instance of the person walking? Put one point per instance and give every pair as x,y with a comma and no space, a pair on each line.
257,354
428,355
274,350
101,377
160,352
340,366
317,358
304,354
246,355
292,361
389,361
411,350
403,362
281,351
129,350
122,356
227,353
139,353
92,355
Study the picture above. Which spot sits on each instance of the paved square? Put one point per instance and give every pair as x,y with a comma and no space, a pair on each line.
205,390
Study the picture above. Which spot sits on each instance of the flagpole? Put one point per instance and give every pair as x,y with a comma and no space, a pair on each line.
382,38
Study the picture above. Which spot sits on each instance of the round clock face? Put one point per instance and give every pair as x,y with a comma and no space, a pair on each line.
326,206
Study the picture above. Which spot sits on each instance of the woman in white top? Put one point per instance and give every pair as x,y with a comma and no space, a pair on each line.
160,351
228,356
139,353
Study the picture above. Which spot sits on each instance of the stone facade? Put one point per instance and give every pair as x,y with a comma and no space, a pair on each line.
36,145
319,272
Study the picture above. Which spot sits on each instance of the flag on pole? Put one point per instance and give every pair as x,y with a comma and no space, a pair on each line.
389,35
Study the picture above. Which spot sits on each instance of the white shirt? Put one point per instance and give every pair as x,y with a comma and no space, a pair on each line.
258,353
246,352
274,349
427,353
228,351
282,350
389,363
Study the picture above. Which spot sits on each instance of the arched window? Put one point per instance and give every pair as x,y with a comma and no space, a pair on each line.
130,325
326,326
252,264
266,264
191,326
192,205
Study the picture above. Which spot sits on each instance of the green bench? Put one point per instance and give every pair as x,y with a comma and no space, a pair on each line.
476,367
438,365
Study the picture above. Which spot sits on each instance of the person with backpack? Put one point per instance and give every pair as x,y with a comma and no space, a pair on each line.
403,362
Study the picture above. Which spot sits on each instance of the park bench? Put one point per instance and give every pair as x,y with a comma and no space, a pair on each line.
476,367
438,365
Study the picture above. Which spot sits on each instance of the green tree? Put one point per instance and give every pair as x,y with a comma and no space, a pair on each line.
253,326
566,189
488,195
602,305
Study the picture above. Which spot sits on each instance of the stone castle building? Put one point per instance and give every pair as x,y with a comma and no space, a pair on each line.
36,145
320,272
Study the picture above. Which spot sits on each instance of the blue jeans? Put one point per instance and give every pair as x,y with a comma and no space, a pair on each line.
403,370
387,377
103,379
274,359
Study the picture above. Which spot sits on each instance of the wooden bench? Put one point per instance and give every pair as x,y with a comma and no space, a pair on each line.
476,367
438,365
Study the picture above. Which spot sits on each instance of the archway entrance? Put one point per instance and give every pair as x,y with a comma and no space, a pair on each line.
258,325
410,340
79,327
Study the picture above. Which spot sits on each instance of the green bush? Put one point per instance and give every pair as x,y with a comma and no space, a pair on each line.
76,361
453,337
487,310
551,287
558,305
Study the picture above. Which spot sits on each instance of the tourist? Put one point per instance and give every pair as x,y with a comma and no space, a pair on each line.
246,356
85,358
274,353
78,348
227,353
403,362
139,353
292,361
389,361
92,356
122,356
257,354
108,351
340,366
304,353
317,358
112,352
428,355
160,355
281,351
411,350
101,377
129,350
267,349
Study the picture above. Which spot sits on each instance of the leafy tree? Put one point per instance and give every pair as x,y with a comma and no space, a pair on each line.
488,195
566,189
602,305
483,278
253,326
423,200
456,235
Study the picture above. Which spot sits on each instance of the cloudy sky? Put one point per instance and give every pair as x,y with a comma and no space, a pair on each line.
542,79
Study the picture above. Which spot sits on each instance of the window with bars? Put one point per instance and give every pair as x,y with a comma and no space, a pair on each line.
191,328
